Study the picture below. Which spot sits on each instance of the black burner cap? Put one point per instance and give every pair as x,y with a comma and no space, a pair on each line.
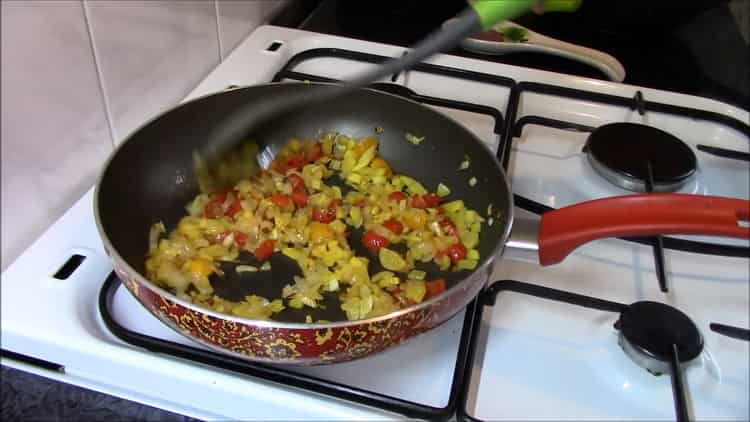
654,327
626,148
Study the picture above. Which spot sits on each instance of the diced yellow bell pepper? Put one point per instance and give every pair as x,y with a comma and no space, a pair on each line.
466,264
391,260
414,290
453,206
320,232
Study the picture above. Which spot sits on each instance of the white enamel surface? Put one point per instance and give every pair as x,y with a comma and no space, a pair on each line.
563,362
69,331
424,373
549,167
142,45
541,360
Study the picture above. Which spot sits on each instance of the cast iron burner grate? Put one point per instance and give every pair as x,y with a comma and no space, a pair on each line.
468,338
649,173
287,377
655,336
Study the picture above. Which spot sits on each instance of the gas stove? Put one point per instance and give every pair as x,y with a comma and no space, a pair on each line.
646,329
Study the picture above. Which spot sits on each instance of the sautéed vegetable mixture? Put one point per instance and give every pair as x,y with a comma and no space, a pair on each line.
293,209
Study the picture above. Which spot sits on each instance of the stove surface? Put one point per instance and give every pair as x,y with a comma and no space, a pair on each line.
536,358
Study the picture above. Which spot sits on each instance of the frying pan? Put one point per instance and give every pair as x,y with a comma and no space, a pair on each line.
149,179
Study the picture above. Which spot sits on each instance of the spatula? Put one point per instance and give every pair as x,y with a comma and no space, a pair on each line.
229,156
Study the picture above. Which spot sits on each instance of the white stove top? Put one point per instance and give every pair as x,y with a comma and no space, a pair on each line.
537,359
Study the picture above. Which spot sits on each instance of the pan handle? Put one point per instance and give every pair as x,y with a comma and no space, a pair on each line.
563,230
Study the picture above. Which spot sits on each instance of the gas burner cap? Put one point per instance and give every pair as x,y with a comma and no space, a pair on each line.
649,329
621,153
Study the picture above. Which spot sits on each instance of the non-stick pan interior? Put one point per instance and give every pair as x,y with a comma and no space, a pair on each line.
149,179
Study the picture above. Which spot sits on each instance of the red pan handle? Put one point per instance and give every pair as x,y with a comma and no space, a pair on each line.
563,230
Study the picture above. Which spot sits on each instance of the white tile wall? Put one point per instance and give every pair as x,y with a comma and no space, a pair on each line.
54,129
237,18
79,75
150,53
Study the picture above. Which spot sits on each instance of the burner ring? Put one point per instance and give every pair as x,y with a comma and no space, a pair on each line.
621,153
649,329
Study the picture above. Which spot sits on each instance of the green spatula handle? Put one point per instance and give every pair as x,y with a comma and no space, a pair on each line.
491,12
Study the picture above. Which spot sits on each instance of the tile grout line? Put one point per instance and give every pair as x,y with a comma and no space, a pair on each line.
218,31
100,79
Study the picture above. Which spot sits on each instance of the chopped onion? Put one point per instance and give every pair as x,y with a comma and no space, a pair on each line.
473,181
443,190
339,149
417,275
227,202
413,139
266,266
245,269
465,163
154,234
489,210
435,226
228,240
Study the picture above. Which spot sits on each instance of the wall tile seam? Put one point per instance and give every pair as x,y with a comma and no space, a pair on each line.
99,74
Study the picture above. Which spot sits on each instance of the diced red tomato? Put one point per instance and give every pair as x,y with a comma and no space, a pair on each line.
221,197
417,201
323,215
396,196
220,237
213,209
300,159
314,153
456,252
374,241
297,161
296,181
240,239
264,250
326,215
448,227
234,208
281,167
281,200
299,197
435,287
394,226
431,200
425,201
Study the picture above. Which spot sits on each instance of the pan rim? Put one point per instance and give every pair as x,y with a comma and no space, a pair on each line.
122,263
